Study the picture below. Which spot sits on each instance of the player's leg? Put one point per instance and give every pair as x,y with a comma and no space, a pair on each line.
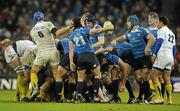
98,94
97,81
53,59
167,76
142,78
21,81
26,80
33,75
129,61
146,84
59,82
88,87
80,85
146,72
162,85
71,85
131,93
63,69
125,72
27,61
139,80
155,73
45,87
115,71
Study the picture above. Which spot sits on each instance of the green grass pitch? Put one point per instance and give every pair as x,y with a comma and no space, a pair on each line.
7,104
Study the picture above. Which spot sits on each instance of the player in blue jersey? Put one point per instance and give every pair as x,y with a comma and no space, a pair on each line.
117,54
97,40
64,71
137,37
86,58
153,21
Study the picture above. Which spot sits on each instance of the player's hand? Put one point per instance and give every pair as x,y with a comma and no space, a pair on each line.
71,25
147,51
108,49
153,57
175,62
72,66
113,43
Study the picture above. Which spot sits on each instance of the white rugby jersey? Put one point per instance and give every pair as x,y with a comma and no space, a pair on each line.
41,34
22,45
168,40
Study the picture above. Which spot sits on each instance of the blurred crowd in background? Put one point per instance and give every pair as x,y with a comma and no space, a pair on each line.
16,17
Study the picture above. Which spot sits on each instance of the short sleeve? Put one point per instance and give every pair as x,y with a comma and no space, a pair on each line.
144,32
99,34
160,34
127,35
71,38
50,26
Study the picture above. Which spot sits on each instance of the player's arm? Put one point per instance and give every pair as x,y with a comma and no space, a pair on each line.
101,50
151,40
100,30
71,53
62,31
58,32
121,38
100,42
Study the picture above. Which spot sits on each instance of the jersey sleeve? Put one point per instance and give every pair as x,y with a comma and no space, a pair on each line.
99,34
160,34
50,26
144,31
71,38
127,35
86,30
31,35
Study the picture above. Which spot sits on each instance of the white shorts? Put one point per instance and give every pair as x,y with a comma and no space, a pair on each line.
10,54
28,58
164,61
47,56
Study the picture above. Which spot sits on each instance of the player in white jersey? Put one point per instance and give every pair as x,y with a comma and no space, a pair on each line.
43,34
13,52
163,57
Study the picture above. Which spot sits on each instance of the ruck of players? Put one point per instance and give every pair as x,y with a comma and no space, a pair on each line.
76,63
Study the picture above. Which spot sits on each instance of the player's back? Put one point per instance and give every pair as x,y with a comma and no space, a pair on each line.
23,45
137,40
168,40
80,37
41,34
123,48
63,45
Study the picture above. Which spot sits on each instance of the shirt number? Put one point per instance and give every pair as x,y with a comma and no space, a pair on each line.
40,34
171,38
79,41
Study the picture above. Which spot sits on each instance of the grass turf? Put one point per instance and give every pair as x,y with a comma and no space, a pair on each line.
7,104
